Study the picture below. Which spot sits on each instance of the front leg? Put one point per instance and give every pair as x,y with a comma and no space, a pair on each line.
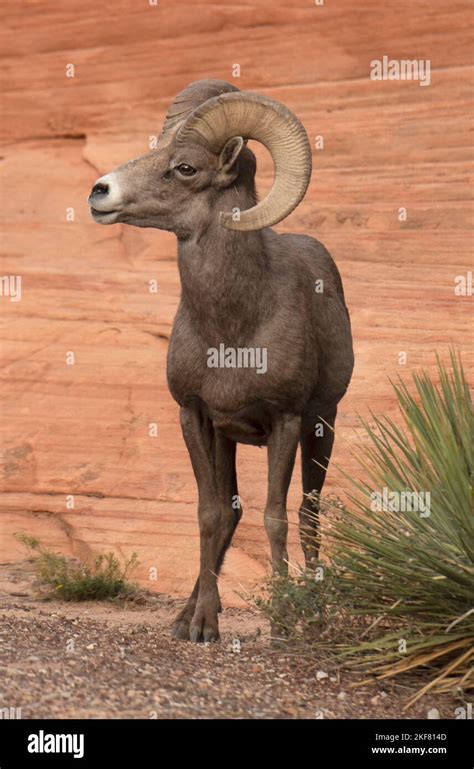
213,460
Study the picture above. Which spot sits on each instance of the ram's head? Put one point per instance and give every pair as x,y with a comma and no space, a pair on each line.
201,153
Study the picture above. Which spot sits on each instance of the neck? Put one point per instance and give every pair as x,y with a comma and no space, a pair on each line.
225,277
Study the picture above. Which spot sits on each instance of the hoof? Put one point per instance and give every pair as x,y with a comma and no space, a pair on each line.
204,627
198,635
198,632
180,630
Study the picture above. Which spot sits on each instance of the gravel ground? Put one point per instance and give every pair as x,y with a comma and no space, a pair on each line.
101,660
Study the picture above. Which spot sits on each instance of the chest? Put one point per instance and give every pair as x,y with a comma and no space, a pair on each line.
230,377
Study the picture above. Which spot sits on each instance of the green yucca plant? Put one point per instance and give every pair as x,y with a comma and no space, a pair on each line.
402,547
414,569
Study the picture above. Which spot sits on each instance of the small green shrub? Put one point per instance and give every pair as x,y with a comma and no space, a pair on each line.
72,580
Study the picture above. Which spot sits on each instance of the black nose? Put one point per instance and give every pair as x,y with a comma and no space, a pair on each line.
100,189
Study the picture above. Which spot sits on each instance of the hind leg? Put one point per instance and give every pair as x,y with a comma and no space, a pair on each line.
315,455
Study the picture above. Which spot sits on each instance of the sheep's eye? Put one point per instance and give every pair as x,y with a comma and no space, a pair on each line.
186,170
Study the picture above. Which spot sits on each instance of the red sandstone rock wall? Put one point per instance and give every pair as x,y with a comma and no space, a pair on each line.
82,430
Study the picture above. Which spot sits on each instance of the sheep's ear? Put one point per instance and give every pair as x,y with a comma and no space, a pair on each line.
226,171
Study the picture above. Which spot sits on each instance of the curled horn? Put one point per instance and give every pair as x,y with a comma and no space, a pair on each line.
260,118
189,99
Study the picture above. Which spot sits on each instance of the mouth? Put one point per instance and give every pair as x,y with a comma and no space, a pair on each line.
103,215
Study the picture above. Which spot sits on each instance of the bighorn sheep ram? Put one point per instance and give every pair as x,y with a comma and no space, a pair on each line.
245,290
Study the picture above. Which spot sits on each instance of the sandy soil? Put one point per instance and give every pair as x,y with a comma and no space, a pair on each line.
102,660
